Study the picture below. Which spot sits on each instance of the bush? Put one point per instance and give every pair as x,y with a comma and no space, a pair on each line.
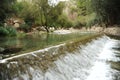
25,27
12,31
3,31
63,21
8,31
92,20
78,24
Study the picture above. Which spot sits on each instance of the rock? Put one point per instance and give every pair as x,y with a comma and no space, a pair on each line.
62,31
1,49
1,56
16,25
1,52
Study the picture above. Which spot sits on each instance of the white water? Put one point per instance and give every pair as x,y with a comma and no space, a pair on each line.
90,62
78,66
101,70
87,64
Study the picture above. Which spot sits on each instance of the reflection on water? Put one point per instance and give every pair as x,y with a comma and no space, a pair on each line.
35,42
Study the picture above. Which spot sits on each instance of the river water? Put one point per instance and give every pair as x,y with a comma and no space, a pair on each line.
19,45
96,60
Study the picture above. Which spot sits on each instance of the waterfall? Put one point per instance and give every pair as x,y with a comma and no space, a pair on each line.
92,61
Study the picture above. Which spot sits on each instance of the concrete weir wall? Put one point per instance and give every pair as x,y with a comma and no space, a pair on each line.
40,60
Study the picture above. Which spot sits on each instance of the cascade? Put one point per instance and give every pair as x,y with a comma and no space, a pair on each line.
96,60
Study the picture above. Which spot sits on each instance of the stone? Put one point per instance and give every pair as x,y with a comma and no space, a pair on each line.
1,49
16,25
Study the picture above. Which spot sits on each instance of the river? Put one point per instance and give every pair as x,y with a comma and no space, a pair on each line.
19,45
98,59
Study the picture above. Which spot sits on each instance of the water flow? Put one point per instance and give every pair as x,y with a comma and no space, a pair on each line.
101,70
89,62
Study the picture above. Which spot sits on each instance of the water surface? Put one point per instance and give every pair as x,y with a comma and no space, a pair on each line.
15,45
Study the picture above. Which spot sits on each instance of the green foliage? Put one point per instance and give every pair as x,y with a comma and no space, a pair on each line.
29,12
54,14
78,11
11,30
82,7
40,13
25,27
91,20
78,24
64,22
38,21
3,31
6,9
43,9
106,10
18,7
7,31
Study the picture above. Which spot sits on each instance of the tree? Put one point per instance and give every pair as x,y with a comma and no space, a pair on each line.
107,11
82,7
49,14
39,13
44,9
6,9
54,14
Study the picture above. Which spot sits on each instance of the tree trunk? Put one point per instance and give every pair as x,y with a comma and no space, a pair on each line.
47,29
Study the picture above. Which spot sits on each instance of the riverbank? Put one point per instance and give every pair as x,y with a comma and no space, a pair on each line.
109,31
64,31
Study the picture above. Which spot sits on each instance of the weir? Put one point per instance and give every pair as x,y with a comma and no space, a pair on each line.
98,59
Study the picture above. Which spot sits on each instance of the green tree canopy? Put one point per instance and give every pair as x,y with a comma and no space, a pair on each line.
6,9
107,11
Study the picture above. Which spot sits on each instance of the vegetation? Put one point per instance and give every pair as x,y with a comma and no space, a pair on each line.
43,13
7,31
6,9
107,11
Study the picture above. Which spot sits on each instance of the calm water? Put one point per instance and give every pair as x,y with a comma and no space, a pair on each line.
36,42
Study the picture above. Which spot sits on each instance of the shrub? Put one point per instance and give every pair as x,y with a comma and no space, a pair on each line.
12,31
63,21
25,27
78,24
92,20
3,31
8,31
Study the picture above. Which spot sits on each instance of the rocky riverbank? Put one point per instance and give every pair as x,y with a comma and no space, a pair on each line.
110,30
63,31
